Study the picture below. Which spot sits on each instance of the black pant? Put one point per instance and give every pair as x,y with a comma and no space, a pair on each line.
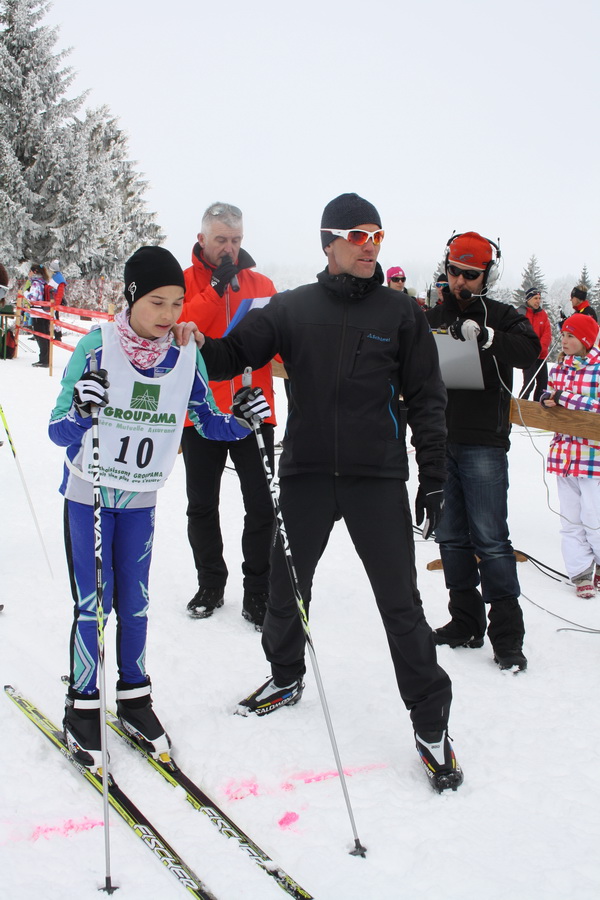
531,380
204,464
377,514
43,326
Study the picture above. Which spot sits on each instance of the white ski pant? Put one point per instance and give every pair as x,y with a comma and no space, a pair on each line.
580,522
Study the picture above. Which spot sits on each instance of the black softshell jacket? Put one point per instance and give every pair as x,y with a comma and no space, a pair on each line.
352,348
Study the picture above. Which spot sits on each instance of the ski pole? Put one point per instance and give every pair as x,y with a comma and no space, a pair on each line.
108,887
24,483
359,849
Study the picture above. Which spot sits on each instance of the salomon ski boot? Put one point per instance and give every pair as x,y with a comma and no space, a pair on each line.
269,697
439,760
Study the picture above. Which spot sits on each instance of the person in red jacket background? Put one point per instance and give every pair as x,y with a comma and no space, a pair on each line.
537,373
219,284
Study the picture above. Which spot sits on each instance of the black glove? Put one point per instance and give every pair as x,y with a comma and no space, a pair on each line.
469,330
91,390
429,504
223,275
249,403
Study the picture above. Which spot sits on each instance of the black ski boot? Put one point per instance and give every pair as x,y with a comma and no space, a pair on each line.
81,726
454,636
269,697
438,760
138,719
254,608
205,601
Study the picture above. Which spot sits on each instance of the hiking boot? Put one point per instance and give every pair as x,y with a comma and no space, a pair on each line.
438,760
511,657
454,636
586,584
254,608
81,726
269,697
204,603
134,708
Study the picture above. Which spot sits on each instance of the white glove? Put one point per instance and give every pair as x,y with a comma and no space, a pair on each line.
91,390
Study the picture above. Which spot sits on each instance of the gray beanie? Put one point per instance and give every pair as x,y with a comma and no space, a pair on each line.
347,211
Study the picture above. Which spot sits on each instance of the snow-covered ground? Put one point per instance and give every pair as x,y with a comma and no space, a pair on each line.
525,825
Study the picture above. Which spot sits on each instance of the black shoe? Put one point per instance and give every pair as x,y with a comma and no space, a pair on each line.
511,657
205,602
269,697
254,608
81,726
40,365
134,708
439,761
455,636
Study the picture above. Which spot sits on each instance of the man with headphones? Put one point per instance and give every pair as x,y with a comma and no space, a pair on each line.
473,531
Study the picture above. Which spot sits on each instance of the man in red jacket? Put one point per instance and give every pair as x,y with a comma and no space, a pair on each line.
220,280
537,373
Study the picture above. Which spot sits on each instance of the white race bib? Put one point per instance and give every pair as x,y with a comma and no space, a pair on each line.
140,428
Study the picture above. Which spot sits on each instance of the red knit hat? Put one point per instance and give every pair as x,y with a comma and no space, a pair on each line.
584,328
470,250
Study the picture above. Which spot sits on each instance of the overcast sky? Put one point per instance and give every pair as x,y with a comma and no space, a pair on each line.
446,114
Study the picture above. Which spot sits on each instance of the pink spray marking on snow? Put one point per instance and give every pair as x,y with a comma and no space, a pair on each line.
62,829
240,790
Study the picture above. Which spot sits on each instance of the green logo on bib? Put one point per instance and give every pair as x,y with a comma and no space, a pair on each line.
145,396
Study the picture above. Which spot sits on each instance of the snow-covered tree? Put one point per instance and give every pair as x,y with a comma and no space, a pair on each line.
67,189
531,277
585,279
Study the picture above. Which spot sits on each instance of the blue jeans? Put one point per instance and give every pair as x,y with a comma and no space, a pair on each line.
474,524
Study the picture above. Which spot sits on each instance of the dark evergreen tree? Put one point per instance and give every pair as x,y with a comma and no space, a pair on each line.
531,277
67,189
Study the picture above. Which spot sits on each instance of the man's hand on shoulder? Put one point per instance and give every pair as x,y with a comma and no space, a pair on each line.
182,332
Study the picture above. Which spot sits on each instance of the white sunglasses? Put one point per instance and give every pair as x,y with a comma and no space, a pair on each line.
357,235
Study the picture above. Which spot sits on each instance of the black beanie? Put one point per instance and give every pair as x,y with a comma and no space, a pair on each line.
347,211
150,268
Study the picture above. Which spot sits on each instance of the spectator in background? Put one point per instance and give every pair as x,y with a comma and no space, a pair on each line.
7,340
58,283
473,530
580,303
220,279
537,373
396,279
37,295
575,384
441,285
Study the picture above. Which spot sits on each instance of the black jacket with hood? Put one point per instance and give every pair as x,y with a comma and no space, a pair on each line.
483,417
351,348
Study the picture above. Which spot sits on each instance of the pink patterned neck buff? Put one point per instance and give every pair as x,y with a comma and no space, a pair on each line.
142,352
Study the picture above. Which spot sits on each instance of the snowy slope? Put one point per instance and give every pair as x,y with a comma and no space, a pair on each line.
524,825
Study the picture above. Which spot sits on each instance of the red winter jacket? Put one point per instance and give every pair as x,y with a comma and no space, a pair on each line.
541,325
212,314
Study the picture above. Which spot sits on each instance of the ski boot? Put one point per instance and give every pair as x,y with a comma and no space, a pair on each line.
438,760
269,697
81,726
138,719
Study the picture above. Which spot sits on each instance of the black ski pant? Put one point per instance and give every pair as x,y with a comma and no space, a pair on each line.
204,464
532,378
377,514
43,326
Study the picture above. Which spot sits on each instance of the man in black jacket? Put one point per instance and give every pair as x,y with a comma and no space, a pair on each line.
351,347
473,529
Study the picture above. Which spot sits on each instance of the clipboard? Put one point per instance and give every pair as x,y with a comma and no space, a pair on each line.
459,363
